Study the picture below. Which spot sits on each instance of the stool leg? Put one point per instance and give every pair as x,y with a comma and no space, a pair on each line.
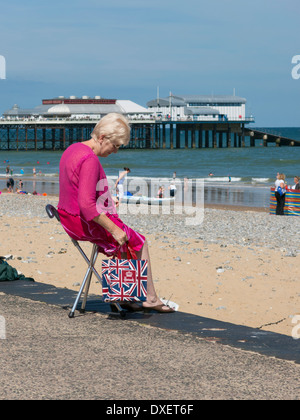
93,259
71,314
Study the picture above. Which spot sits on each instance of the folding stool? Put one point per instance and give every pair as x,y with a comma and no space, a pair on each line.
85,285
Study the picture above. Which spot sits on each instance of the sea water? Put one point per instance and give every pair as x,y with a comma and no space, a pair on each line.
241,176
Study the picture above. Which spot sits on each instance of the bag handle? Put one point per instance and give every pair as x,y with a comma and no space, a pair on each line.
131,255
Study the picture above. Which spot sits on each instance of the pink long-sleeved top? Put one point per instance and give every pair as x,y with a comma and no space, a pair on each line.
83,195
83,186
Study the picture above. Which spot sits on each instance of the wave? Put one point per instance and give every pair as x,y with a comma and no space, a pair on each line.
261,180
222,179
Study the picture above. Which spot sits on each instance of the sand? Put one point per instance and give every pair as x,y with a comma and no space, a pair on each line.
251,285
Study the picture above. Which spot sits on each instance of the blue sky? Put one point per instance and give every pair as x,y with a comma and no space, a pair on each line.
124,49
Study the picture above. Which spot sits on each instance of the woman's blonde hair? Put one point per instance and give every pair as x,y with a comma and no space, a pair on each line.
114,127
281,176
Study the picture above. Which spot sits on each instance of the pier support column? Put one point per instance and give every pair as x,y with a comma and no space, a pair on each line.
228,137
207,139
156,136
171,137
252,139
200,136
243,135
164,136
214,132
193,138
53,138
148,138
178,131
220,139
35,138
186,137
26,137
17,137
8,138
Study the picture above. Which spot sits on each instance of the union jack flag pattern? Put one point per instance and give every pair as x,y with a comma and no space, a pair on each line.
124,280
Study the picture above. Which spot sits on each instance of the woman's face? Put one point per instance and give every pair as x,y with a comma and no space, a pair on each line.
106,147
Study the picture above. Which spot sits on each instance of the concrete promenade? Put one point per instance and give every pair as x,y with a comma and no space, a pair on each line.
46,355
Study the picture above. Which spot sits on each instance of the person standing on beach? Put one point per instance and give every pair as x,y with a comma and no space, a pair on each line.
119,186
296,186
10,185
86,208
280,191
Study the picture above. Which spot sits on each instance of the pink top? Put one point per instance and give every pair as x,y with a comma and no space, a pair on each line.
83,186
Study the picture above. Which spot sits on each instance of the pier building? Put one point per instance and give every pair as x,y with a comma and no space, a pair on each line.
191,121
200,108
77,108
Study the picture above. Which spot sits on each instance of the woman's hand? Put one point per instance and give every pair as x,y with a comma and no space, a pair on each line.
119,235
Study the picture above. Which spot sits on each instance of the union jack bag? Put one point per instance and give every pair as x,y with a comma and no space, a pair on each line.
124,280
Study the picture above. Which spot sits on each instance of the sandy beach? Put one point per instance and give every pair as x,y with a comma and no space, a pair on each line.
239,265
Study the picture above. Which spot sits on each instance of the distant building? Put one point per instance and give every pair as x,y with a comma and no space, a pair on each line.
79,108
199,107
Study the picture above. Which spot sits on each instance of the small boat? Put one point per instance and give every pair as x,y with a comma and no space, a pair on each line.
135,199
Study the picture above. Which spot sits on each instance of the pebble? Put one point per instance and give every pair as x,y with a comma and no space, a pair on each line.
223,227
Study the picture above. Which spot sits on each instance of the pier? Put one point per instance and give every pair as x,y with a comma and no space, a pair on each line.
58,134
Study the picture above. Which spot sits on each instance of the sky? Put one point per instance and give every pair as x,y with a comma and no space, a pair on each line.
126,49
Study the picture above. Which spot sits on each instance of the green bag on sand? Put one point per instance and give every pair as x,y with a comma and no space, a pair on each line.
8,273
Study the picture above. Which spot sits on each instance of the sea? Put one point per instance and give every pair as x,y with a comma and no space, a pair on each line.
232,176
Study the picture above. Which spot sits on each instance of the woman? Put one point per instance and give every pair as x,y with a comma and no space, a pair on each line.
296,186
85,206
280,191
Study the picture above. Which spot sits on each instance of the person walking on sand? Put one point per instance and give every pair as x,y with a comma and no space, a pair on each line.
86,208
119,186
280,190
10,185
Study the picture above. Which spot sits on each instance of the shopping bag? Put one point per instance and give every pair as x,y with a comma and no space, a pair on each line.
124,280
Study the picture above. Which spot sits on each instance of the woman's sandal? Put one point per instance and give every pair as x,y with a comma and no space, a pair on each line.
159,308
129,306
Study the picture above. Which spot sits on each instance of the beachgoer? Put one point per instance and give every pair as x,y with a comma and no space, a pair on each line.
296,186
22,171
20,184
120,184
172,189
174,175
160,193
85,206
34,171
7,171
280,191
10,185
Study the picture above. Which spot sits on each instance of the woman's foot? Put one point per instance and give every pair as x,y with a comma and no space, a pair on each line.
157,306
